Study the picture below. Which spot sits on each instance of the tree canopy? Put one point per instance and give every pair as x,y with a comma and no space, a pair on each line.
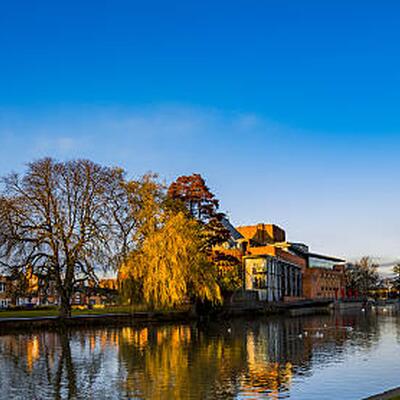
362,276
168,267
63,220
197,197
203,206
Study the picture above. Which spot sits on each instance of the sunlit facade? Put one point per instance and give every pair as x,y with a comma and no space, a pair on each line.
273,279
270,268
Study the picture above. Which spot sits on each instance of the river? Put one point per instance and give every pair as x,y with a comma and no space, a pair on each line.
338,356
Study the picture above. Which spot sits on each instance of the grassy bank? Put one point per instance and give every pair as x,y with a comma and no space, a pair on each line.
29,320
53,311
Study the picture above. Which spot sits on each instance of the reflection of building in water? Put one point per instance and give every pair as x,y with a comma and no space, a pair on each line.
263,374
280,348
274,352
278,341
32,351
25,348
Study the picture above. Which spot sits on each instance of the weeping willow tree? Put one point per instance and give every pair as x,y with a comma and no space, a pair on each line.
169,267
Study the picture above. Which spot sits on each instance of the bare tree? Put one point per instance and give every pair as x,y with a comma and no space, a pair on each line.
396,280
65,221
362,276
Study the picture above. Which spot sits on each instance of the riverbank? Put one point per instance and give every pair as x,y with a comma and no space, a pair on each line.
114,315
119,315
51,311
393,394
113,319
243,307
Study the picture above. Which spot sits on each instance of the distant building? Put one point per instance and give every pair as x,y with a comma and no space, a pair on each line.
269,266
323,277
283,271
103,292
39,291
5,292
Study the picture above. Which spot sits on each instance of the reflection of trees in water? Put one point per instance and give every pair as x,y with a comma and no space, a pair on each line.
23,369
180,362
50,365
65,365
218,360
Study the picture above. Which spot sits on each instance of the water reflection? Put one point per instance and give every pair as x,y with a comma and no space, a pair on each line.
262,358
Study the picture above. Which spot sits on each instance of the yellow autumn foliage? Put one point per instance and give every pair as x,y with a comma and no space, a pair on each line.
169,268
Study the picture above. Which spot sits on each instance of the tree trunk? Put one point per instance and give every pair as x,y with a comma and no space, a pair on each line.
65,308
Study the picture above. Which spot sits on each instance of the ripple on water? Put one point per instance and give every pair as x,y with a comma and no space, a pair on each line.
337,356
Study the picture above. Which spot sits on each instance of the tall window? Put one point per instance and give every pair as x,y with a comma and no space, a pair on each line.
259,276
2,287
260,281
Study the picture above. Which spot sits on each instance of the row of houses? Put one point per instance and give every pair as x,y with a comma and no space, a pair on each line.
41,292
279,270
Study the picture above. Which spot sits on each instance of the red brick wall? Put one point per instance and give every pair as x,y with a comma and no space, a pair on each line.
321,283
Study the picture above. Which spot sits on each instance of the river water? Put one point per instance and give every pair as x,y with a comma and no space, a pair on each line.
339,356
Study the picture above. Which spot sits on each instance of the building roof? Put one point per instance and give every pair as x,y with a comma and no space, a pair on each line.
323,257
274,251
263,233
303,249
235,234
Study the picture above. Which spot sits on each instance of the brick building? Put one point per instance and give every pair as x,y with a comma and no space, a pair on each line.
5,292
283,271
323,277
269,266
39,291
324,283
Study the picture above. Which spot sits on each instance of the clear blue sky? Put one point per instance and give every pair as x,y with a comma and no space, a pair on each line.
290,109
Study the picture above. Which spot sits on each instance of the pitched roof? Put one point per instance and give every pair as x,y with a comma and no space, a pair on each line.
235,234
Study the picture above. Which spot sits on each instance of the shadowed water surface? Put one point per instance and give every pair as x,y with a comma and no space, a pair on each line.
347,356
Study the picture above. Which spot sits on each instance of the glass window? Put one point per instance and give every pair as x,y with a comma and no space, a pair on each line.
260,282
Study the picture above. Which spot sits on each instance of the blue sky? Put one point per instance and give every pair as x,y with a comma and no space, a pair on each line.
288,108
